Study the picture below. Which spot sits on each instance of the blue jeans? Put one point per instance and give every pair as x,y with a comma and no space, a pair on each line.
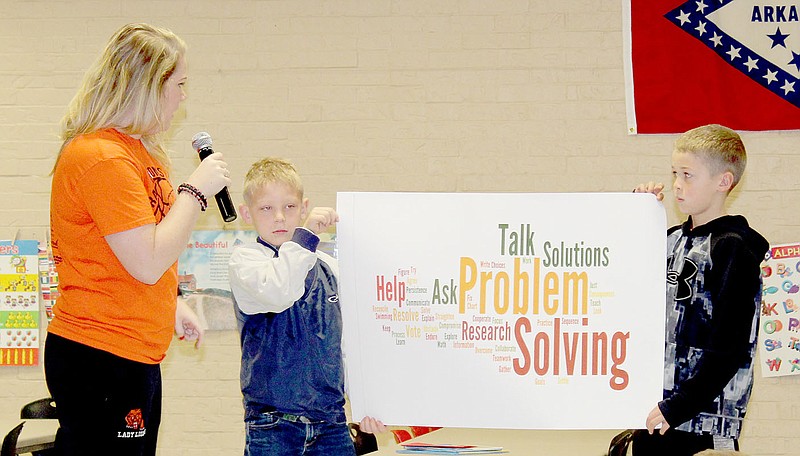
276,434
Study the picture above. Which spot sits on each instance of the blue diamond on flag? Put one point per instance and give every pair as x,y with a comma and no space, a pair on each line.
761,40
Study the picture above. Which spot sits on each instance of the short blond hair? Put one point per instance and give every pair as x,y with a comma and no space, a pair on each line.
720,147
269,170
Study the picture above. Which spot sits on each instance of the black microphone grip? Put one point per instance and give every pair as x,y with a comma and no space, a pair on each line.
223,197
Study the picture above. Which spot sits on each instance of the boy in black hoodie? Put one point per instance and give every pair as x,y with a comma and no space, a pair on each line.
713,302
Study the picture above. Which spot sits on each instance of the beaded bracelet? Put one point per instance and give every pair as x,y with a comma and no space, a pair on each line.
198,195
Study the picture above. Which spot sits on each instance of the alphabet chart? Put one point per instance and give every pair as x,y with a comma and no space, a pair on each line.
779,329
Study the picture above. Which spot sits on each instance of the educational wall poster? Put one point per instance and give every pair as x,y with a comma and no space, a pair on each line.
779,331
520,311
48,280
204,262
203,275
19,303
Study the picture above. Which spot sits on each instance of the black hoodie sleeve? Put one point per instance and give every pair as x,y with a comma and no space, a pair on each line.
734,282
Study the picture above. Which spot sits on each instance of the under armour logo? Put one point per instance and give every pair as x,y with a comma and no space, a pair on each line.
681,280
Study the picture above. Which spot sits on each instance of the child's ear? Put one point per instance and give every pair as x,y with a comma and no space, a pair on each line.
304,209
245,211
726,181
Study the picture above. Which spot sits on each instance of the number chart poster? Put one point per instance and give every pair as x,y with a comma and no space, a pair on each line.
779,334
19,303
519,311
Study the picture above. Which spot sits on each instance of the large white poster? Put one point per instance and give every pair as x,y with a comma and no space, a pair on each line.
539,311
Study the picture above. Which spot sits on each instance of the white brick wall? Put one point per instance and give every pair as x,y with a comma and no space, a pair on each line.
446,95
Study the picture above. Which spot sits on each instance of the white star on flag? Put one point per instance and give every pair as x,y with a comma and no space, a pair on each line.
770,77
701,27
717,39
701,7
751,64
734,53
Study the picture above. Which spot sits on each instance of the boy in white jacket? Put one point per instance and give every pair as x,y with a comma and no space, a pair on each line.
290,322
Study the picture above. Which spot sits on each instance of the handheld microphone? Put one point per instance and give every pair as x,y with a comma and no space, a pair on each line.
202,144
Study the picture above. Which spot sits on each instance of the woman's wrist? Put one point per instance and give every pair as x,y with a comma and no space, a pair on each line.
197,194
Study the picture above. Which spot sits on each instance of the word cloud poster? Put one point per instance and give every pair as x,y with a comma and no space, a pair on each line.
521,311
19,303
779,332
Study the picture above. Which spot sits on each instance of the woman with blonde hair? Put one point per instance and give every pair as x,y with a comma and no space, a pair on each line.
118,227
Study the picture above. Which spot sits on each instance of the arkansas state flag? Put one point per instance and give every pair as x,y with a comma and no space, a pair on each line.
731,62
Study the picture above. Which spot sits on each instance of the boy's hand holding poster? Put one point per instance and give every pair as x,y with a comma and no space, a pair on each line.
541,311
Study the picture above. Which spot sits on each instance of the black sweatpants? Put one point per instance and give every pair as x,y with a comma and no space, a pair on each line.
106,405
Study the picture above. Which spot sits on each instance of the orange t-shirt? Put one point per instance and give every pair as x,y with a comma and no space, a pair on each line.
106,182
